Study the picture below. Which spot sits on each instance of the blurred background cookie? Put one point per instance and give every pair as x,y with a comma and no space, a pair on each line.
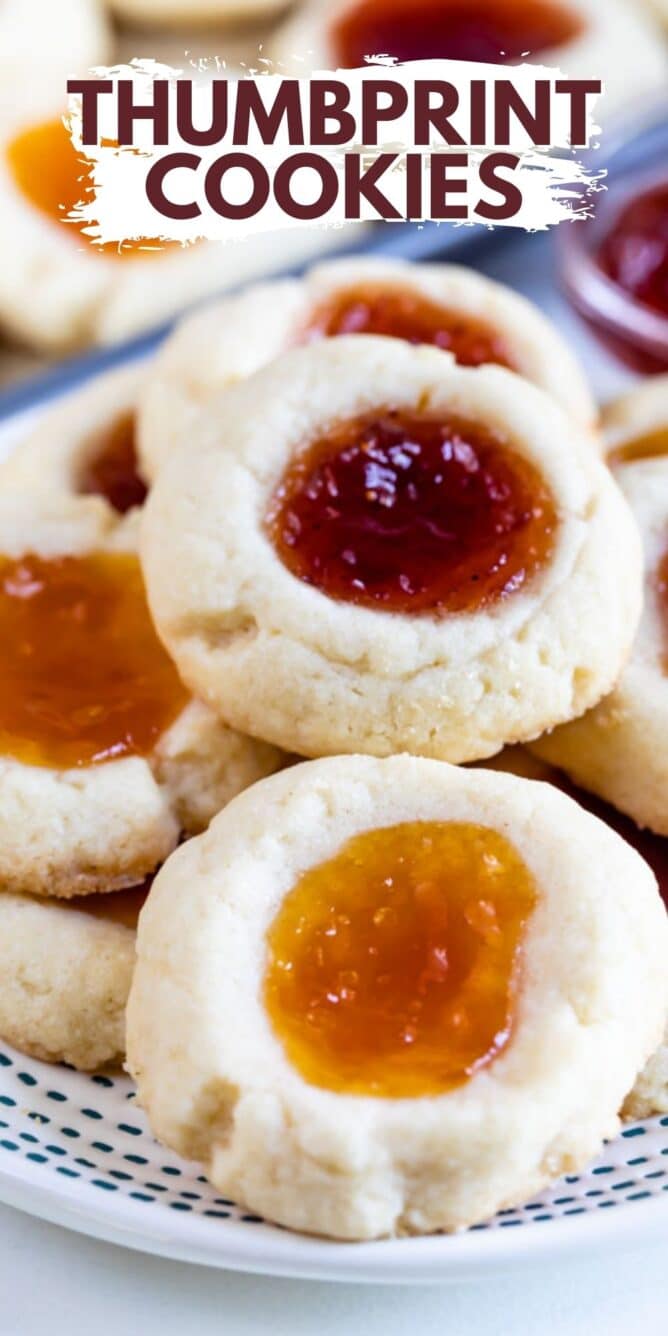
577,36
192,13
91,294
42,44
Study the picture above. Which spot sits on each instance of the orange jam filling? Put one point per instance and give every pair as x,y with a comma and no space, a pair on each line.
413,514
651,445
52,176
498,31
114,906
113,471
402,314
394,968
83,676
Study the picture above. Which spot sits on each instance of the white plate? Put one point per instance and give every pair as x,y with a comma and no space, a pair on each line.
75,1149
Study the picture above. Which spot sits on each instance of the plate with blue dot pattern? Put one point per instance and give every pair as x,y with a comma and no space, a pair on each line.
76,1150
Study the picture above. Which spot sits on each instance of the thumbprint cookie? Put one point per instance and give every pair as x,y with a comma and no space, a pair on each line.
650,1092
618,749
393,996
659,8
368,547
86,446
90,293
65,973
583,38
44,44
105,758
446,305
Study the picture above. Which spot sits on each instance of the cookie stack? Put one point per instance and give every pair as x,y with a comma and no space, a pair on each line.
364,518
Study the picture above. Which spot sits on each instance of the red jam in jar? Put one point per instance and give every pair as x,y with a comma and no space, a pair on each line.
401,313
413,514
394,967
83,676
629,313
498,31
112,471
634,252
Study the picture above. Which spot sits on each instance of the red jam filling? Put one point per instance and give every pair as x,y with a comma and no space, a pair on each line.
634,253
400,313
413,515
112,472
83,676
498,31
394,967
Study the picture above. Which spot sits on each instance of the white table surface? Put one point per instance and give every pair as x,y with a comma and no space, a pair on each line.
53,1281
59,1283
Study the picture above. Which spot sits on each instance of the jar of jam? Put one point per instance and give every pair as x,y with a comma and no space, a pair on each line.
615,269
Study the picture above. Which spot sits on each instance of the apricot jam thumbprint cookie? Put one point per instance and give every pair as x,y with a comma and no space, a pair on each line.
98,294
397,995
445,305
368,547
105,759
619,750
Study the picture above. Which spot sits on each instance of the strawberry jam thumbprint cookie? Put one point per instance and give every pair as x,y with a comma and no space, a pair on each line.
368,547
582,38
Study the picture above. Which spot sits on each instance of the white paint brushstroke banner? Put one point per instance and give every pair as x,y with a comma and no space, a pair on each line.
555,185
